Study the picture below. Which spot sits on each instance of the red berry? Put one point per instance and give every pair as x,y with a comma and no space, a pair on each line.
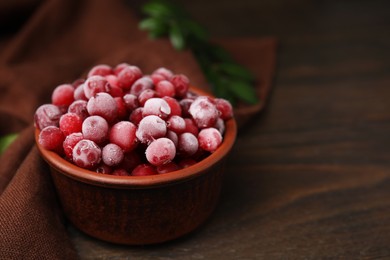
70,123
131,101
204,112
95,128
144,170
101,70
63,95
209,139
181,83
112,154
174,105
224,107
150,128
136,115
176,124
123,134
94,85
87,154
79,107
188,144
104,105
47,115
51,138
169,167
164,72
70,142
146,95
156,106
160,151
127,76
165,88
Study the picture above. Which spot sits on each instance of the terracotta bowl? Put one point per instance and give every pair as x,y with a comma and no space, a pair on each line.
140,210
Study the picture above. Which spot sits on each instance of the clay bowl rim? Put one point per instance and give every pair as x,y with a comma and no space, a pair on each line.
86,176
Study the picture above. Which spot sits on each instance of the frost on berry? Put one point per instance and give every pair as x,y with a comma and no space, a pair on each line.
112,154
123,134
150,128
87,154
70,142
101,70
79,107
156,106
224,107
63,95
209,139
130,101
95,128
128,75
160,151
176,124
47,115
165,88
70,123
94,85
188,144
140,85
164,72
181,84
104,105
174,105
51,138
204,112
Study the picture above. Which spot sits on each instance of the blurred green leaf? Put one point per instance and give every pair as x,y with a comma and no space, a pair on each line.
157,9
236,70
155,27
243,90
6,140
177,38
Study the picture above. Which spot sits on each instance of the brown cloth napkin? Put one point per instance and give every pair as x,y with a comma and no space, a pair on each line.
49,42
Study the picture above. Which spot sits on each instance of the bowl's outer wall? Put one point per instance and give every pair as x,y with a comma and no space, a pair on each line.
137,216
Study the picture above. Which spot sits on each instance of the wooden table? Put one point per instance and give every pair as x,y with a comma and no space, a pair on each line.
310,178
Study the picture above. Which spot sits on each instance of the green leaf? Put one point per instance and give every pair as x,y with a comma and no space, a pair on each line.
243,90
6,140
155,27
177,38
236,70
196,31
157,9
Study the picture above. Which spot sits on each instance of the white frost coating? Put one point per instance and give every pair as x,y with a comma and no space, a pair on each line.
87,154
95,128
160,151
209,139
140,85
104,105
173,137
150,128
112,154
188,144
203,112
156,106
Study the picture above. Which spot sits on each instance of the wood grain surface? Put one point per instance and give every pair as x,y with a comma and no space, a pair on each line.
309,177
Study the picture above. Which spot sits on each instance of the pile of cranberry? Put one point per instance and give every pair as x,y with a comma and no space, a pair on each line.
119,121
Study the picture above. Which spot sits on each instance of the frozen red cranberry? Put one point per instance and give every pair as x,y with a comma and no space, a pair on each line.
188,144
70,142
185,104
104,105
191,126
63,95
224,107
181,83
165,88
136,116
115,91
145,96
112,154
174,105
166,73
95,128
131,101
204,112
101,70
70,123
150,128
79,107
156,78
156,106
140,85
120,172
176,124
220,125
160,151
128,75
118,68
51,138
209,139
78,82
112,80
94,85
47,115
87,154
169,167
173,136
122,110
123,134
79,93
144,170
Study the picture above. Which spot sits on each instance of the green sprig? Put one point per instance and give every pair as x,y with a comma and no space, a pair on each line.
6,140
227,78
